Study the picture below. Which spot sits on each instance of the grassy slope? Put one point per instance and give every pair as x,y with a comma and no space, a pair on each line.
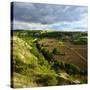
31,69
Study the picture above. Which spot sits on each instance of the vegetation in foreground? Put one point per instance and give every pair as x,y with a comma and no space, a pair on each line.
34,59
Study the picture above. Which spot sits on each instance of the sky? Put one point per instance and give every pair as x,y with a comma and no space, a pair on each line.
37,16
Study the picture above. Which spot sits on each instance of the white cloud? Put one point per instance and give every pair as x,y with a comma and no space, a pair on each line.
66,26
27,26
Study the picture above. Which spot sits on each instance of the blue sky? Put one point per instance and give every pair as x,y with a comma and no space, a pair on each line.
36,16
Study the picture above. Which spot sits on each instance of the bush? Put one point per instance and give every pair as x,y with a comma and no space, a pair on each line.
55,51
38,46
47,54
47,80
57,66
69,68
72,69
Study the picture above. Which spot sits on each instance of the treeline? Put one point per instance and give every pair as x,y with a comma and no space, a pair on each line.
74,37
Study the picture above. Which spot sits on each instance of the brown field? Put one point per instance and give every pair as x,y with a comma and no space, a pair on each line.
75,54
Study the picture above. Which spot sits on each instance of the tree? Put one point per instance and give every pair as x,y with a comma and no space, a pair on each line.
55,51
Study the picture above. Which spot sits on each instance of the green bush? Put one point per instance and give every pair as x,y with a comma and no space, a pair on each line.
72,69
47,54
55,51
47,80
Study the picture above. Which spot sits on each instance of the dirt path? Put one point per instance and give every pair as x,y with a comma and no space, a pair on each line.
72,49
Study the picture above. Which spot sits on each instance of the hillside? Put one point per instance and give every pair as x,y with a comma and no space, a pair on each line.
34,63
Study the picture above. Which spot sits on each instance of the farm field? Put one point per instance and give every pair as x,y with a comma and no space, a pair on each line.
46,58
75,54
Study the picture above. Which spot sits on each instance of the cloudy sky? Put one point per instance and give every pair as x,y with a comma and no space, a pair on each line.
36,16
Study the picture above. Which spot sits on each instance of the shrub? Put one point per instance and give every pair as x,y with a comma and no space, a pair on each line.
47,80
47,54
55,51
72,69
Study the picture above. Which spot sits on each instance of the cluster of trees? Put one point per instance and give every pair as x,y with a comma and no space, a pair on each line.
79,38
80,41
69,68
46,53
